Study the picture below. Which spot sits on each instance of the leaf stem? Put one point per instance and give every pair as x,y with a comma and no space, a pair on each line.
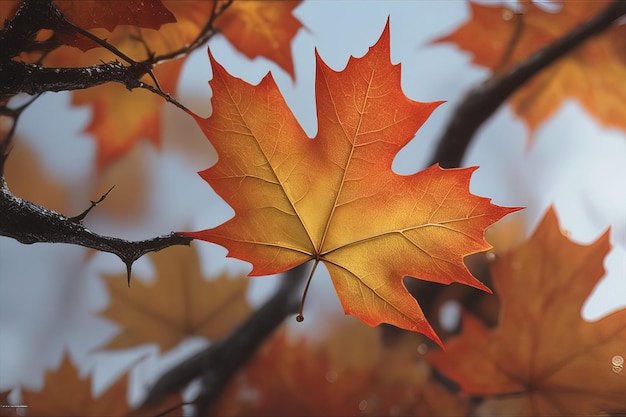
300,316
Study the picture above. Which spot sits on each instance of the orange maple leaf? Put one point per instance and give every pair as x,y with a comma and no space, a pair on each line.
108,14
592,74
180,303
28,179
262,28
65,393
53,399
543,358
306,379
335,199
338,377
121,118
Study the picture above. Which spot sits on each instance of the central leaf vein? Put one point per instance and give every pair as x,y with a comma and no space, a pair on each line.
353,146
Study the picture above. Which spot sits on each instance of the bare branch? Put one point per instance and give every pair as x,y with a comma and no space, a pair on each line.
32,79
28,223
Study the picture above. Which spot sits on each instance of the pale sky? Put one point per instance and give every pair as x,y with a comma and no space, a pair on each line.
574,164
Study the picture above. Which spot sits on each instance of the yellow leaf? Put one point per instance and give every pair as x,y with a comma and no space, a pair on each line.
179,304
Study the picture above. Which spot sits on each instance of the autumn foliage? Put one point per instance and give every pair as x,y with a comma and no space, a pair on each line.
298,199
542,285
327,203
499,38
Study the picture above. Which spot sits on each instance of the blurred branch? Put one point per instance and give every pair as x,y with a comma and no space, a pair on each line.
220,361
481,102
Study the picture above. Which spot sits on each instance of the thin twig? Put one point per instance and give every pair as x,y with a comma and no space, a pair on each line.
6,142
102,42
203,37
81,216
157,90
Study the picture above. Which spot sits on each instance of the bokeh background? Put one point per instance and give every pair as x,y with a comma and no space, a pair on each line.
50,293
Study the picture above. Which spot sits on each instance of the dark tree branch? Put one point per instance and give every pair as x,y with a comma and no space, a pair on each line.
28,223
19,77
481,102
203,37
18,33
220,361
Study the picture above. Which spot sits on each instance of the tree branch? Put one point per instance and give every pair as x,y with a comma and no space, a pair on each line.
32,79
481,102
220,361
28,223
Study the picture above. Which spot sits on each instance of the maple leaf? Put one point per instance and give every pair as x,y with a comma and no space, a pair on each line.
337,376
130,199
543,358
108,14
499,38
53,399
306,380
29,180
121,118
179,304
262,28
335,199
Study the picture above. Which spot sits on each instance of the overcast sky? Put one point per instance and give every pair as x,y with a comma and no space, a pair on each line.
574,164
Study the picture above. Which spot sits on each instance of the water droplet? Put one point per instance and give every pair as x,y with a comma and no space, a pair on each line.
331,376
363,405
422,348
507,14
618,363
490,256
449,315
